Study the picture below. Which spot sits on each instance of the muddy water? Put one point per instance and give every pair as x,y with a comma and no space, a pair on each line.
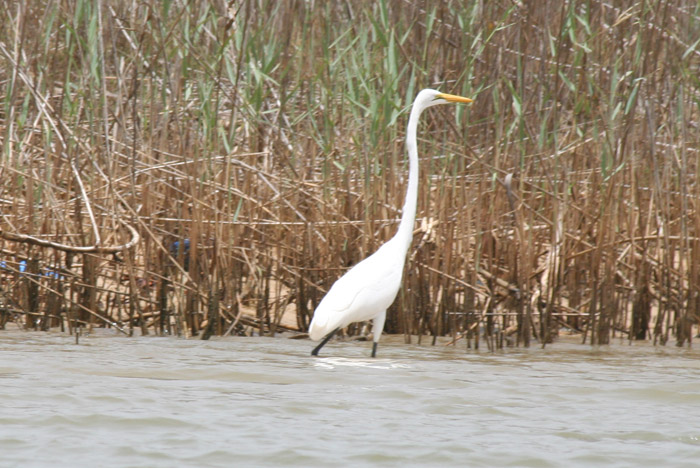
112,401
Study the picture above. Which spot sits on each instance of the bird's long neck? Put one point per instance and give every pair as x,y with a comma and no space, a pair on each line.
408,216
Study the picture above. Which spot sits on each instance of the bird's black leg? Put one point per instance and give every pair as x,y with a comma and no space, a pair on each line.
325,340
374,349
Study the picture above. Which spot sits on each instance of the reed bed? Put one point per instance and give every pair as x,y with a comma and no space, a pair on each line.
207,167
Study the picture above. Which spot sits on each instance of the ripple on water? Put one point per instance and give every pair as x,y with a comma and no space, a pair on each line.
336,362
119,402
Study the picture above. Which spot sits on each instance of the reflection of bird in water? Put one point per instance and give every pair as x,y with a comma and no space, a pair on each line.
369,288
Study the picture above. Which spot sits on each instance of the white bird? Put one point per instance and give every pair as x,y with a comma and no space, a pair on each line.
368,289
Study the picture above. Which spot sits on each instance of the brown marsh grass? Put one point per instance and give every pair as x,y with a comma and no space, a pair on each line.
211,167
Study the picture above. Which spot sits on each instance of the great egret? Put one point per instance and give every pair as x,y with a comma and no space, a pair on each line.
369,288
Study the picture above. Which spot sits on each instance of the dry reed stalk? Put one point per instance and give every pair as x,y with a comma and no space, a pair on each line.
270,138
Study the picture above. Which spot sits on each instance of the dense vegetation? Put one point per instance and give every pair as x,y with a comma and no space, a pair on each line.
210,167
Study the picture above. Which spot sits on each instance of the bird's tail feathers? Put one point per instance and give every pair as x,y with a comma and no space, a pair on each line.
319,328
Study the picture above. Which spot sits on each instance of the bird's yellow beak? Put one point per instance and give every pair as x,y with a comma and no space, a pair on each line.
454,98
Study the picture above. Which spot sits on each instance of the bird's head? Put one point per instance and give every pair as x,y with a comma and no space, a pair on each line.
431,97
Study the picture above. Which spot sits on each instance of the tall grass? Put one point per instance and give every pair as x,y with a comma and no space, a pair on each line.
211,167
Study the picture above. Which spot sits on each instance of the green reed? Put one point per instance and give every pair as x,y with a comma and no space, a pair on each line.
269,136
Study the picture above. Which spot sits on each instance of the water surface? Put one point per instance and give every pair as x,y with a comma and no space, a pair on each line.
112,401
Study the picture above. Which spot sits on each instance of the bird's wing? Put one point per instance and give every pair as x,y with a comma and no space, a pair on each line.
363,292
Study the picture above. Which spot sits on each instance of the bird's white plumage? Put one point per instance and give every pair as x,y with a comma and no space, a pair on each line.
369,288
345,303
